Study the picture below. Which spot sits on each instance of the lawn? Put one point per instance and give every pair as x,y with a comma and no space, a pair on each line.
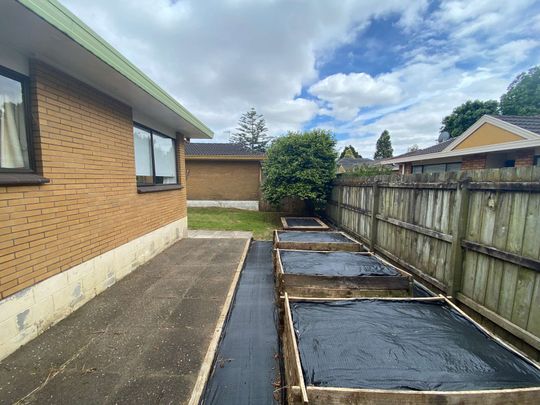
230,219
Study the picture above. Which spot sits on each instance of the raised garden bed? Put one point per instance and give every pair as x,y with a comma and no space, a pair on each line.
313,240
321,274
398,351
303,224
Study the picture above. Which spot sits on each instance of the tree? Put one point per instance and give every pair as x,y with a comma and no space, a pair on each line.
467,114
523,95
384,146
349,152
300,165
251,132
413,148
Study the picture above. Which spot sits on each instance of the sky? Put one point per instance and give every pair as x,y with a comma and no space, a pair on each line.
355,67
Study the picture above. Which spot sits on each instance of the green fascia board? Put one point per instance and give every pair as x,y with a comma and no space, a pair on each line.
62,19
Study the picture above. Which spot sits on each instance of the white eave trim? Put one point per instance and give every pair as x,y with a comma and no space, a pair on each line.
488,119
529,143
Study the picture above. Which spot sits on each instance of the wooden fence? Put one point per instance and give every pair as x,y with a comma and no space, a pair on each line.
473,235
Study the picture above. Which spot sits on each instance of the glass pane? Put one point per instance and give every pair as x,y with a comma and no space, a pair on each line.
13,142
453,167
165,160
143,156
417,169
435,168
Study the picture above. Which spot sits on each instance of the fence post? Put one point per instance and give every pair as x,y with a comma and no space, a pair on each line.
374,211
339,208
459,226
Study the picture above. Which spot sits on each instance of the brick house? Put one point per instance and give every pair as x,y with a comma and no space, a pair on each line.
491,142
223,175
92,168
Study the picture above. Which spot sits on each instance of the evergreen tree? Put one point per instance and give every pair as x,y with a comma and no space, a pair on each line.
384,146
251,132
349,152
523,94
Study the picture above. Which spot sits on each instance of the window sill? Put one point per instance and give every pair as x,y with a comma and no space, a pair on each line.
21,179
158,188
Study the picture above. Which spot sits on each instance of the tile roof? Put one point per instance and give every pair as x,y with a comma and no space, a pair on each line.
218,149
438,147
530,123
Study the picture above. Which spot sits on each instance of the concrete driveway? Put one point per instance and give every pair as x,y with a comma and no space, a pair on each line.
141,341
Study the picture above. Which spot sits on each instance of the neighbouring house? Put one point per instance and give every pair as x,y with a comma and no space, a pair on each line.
491,142
349,164
92,169
223,175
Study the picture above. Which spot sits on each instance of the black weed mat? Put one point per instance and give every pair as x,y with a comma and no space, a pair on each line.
345,264
245,367
312,237
397,345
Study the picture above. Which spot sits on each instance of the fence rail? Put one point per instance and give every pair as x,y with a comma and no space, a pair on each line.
474,235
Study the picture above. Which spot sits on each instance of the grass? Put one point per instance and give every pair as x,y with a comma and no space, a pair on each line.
262,224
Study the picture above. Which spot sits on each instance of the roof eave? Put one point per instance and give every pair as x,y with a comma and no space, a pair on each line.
521,144
224,157
63,20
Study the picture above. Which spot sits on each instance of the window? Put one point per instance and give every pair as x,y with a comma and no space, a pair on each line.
15,142
509,163
537,160
453,167
155,158
437,168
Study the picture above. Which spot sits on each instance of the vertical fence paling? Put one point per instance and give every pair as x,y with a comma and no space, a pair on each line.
474,235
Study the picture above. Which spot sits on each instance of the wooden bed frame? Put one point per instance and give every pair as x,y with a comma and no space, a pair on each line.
299,393
351,246
321,227
314,286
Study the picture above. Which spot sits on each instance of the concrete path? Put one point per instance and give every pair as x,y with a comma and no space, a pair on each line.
219,234
140,342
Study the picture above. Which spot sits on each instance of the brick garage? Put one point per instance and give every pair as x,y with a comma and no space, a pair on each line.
223,175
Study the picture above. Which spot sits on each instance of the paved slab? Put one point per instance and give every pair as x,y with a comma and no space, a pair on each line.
141,341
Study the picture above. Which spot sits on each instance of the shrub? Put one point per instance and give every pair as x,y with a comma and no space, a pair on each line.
300,165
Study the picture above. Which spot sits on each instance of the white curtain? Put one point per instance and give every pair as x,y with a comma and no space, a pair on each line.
13,143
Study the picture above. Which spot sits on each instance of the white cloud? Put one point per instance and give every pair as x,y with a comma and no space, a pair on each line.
221,57
346,93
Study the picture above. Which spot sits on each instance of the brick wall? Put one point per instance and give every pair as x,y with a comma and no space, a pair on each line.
405,168
524,158
84,145
223,180
473,162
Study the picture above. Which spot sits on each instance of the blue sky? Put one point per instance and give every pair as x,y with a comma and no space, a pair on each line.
354,67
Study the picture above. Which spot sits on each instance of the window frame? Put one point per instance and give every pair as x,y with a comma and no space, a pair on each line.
157,186
431,164
25,86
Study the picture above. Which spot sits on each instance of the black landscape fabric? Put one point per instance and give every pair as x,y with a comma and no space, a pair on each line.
402,345
312,237
345,264
301,222
245,367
